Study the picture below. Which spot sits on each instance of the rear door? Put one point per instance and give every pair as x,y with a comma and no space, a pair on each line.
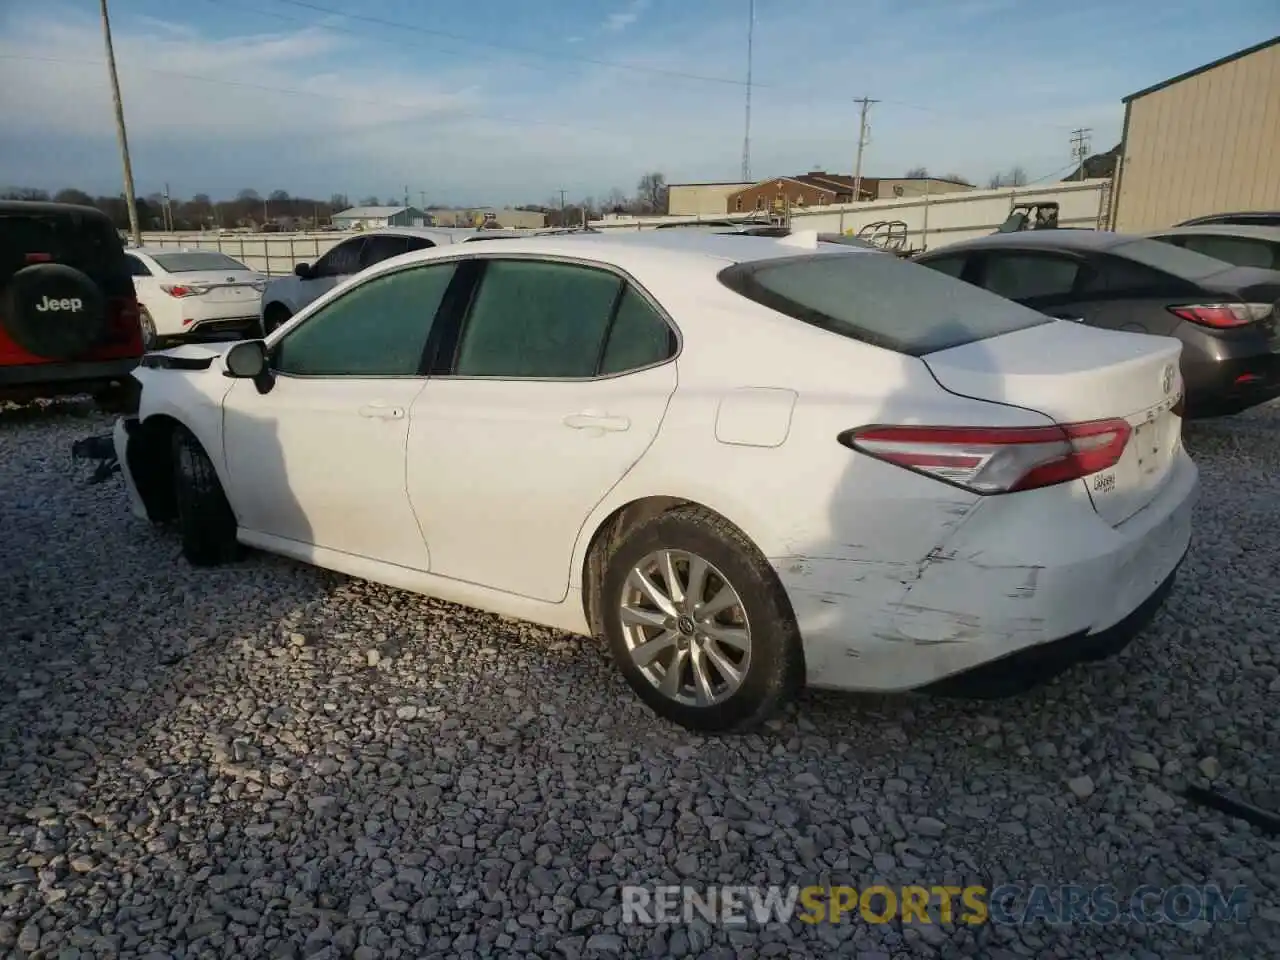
1041,280
556,386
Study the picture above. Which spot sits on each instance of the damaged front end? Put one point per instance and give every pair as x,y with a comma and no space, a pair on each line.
139,453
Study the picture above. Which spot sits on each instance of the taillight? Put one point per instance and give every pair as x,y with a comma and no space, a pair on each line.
183,290
990,460
38,258
1223,316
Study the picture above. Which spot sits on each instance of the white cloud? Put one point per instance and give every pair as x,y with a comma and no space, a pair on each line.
622,19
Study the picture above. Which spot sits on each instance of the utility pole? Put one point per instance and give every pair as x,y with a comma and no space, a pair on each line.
422,196
129,200
746,137
1080,146
168,209
562,223
406,194
864,137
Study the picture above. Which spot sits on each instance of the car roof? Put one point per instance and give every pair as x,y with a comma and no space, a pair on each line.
48,207
1217,218
1054,239
728,247
1242,230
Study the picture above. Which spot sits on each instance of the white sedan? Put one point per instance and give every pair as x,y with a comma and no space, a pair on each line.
748,463
192,293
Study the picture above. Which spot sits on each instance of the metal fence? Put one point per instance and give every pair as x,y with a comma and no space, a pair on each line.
275,254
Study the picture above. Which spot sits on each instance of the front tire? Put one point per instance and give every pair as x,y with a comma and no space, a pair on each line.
275,316
205,520
698,623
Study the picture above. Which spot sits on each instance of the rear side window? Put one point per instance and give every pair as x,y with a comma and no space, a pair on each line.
951,266
638,338
137,267
1241,251
884,301
84,241
1163,256
1028,276
379,248
537,319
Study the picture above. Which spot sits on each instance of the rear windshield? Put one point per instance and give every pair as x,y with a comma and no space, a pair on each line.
885,301
194,261
84,241
1170,259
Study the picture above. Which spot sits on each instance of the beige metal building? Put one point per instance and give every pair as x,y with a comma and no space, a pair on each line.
1204,142
700,199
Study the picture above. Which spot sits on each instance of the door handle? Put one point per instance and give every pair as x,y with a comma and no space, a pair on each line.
597,421
381,411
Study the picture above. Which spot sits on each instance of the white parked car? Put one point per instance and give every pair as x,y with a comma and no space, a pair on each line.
749,463
192,294
285,296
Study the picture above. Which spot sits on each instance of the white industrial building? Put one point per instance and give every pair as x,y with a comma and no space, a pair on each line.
369,218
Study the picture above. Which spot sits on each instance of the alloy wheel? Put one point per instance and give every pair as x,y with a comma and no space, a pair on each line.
685,628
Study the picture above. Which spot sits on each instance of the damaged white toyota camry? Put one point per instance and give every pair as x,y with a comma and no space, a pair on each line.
749,463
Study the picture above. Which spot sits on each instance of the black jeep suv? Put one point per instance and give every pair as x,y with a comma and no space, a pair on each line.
68,313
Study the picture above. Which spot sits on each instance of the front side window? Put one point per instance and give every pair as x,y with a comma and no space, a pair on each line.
378,329
379,248
1019,276
342,260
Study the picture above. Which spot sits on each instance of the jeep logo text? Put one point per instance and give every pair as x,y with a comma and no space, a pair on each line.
49,305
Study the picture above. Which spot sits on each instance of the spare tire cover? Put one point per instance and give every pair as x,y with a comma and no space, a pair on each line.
53,310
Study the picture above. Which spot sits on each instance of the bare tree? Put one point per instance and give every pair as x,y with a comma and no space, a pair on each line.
957,178
918,173
616,202
248,194
651,193
279,196
338,201
1015,176
370,201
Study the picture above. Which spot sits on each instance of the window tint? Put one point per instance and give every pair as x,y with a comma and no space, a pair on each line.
1114,275
379,329
417,243
537,319
639,336
379,248
885,301
1168,258
342,260
1024,276
1241,251
137,267
951,266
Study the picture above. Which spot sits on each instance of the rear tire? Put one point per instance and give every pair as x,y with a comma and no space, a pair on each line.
149,339
725,627
205,520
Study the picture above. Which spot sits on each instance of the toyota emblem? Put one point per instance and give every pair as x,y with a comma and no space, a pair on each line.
1166,379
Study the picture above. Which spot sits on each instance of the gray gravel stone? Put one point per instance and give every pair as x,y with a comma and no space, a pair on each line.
181,776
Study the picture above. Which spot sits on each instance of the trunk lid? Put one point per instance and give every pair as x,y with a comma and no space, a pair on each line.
225,286
1072,373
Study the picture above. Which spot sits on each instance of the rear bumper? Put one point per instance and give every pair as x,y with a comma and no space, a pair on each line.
61,379
1031,573
1232,384
222,328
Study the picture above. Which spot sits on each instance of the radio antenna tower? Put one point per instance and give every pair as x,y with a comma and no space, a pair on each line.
746,139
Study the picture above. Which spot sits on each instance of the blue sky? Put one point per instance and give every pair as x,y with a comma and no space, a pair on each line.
501,101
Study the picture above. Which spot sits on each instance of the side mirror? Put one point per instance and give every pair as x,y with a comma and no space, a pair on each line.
247,360
302,271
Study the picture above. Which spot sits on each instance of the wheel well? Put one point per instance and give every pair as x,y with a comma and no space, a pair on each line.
611,530
151,465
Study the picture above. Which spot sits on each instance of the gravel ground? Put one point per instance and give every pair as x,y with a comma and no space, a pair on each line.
270,760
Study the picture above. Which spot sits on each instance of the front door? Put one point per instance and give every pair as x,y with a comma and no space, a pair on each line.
558,385
320,457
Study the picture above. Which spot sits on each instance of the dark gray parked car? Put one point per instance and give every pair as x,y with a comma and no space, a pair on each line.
1225,316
